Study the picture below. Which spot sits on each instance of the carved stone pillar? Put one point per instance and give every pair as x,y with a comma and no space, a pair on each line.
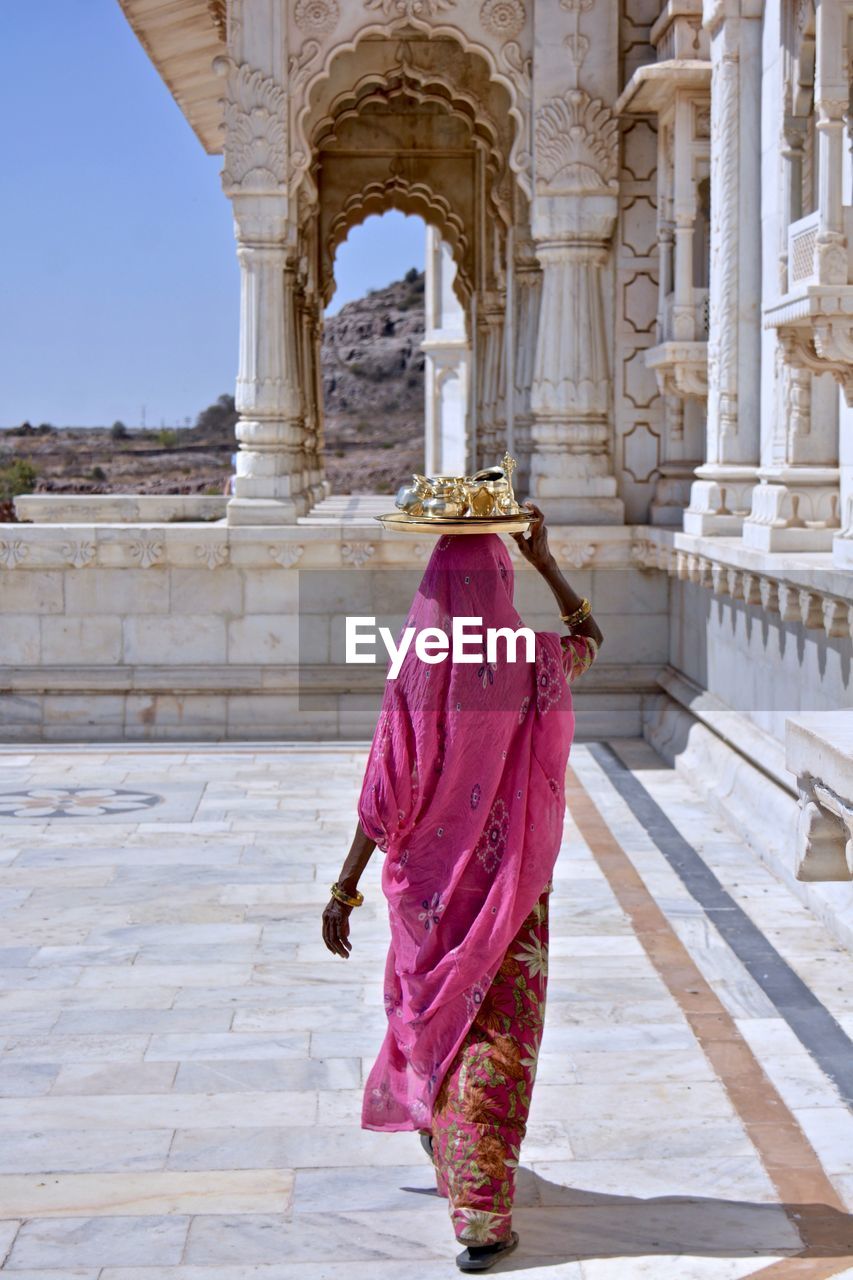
528,294
814,317
675,89
271,461
270,483
492,367
721,493
571,465
310,339
573,217
795,505
446,364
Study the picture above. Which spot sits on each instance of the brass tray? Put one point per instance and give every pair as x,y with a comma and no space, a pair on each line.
457,524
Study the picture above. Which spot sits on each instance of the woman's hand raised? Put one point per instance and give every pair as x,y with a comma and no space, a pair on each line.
336,928
534,545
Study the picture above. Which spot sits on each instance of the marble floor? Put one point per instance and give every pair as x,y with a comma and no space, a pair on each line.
182,1060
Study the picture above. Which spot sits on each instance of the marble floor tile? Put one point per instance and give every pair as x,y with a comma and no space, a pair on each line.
289,1146
830,1131
26,1079
166,975
260,1074
99,1241
208,1046
142,1021
357,1237
165,1192
9,1228
14,1023
301,1017
75,1048
720,1175
81,1151
101,1078
156,1111
366,1188
77,997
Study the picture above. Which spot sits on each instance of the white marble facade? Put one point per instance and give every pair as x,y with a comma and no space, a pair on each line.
640,279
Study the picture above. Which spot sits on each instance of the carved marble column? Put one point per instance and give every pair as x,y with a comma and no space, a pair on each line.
571,466
446,364
675,89
491,314
795,505
270,484
573,218
310,339
721,493
528,296
270,487
574,215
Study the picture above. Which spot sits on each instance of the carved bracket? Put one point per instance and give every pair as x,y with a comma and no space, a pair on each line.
576,145
255,114
823,353
681,368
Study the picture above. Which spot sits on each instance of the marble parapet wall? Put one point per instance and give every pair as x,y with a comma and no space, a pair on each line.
210,631
118,508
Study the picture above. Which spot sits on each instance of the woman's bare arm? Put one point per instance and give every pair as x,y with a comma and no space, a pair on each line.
336,914
356,860
534,547
569,600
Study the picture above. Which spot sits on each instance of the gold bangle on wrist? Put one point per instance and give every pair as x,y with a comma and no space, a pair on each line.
580,614
340,896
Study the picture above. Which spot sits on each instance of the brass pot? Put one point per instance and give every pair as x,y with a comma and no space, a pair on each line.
410,496
444,507
492,493
447,487
409,499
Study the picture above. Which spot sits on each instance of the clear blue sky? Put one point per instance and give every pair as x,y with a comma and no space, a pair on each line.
120,282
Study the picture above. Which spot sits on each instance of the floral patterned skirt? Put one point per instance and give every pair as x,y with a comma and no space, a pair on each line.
482,1106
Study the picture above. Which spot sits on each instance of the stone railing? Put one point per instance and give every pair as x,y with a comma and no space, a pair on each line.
796,588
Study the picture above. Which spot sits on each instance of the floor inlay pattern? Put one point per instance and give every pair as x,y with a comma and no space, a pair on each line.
182,1061
73,802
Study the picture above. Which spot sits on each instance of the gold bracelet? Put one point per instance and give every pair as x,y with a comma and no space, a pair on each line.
582,612
340,896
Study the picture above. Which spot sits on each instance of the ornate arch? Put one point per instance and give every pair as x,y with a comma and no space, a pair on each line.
416,198
405,81
421,84
509,68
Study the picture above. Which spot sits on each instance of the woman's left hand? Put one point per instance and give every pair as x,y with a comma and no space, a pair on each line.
534,546
336,928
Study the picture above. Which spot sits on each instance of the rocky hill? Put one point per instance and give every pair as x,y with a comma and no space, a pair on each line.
374,397
373,388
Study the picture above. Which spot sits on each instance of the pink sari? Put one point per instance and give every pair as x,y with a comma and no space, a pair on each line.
464,792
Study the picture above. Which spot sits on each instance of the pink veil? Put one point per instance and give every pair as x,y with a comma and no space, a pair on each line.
464,792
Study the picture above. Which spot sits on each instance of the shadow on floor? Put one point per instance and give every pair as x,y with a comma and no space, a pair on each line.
557,1223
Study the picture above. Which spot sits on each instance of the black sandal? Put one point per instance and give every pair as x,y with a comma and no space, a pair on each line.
480,1257
426,1143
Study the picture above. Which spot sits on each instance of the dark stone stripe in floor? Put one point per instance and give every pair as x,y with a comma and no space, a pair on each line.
811,1022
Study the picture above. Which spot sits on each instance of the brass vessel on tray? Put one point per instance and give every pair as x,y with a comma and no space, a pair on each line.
482,503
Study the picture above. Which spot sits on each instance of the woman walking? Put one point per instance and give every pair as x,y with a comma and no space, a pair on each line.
464,794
